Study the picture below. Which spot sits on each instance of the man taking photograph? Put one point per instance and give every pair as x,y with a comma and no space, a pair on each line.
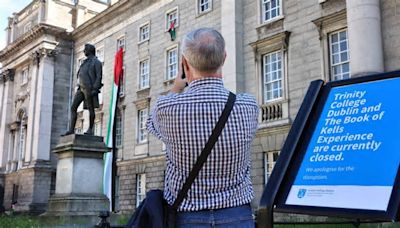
184,119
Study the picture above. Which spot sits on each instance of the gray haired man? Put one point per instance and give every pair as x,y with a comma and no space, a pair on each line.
184,119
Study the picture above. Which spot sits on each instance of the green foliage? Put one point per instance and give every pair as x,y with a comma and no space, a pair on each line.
18,222
25,221
122,219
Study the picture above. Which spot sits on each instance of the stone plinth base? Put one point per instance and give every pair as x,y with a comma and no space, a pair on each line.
77,205
79,177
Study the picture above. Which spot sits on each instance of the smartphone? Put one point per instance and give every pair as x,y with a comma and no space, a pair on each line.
183,76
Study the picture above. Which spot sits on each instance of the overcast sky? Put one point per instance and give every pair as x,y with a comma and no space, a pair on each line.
7,8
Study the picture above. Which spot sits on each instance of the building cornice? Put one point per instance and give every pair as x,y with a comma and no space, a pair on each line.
103,17
28,37
28,7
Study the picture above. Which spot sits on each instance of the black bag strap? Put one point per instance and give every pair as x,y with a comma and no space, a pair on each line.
206,151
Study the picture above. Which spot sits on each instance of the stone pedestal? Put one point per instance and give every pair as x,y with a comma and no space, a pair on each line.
79,177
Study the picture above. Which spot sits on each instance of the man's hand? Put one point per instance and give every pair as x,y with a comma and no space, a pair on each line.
179,83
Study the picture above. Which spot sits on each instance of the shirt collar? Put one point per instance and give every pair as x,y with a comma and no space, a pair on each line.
206,82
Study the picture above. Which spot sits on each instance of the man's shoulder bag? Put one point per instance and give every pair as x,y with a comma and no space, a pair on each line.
154,211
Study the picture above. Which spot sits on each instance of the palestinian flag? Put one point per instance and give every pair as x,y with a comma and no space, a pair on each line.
109,158
172,31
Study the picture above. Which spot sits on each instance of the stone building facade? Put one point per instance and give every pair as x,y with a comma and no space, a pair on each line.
35,93
275,48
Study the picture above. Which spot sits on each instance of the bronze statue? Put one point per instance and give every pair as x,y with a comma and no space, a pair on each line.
89,85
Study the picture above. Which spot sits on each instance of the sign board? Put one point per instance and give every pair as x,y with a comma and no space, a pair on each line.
347,156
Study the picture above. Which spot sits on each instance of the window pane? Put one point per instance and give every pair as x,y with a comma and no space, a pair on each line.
343,46
335,48
142,118
172,61
118,129
343,35
343,57
272,76
270,8
336,70
335,59
339,55
335,38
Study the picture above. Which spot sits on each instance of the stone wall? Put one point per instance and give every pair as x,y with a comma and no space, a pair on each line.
33,189
390,13
153,167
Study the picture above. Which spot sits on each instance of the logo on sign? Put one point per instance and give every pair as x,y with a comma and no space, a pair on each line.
301,193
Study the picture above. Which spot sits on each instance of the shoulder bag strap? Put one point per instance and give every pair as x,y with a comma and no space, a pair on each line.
206,151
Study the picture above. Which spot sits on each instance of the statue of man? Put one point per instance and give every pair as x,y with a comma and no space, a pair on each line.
89,85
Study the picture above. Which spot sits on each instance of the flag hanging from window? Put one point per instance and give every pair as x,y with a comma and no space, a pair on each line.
172,31
109,157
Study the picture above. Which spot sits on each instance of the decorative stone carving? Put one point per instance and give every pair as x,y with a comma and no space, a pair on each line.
275,42
42,52
142,103
7,75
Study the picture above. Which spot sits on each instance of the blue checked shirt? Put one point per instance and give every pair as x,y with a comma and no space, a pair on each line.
184,122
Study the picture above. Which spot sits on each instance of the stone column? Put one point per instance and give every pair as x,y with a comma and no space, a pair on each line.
79,177
35,57
10,152
365,37
2,85
44,107
232,31
7,78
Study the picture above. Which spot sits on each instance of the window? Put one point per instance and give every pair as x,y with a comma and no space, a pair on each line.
100,54
27,27
21,145
172,17
24,76
97,128
78,130
122,83
172,63
144,32
204,6
269,163
270,9
121,43
142,132
339,55
79,125
14,197
144,74
140,188
21,139
118,129
272,76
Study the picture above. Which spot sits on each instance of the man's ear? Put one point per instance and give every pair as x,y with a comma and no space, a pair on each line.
224,56
185,64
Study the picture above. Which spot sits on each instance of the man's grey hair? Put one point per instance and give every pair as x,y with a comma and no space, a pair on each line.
204,49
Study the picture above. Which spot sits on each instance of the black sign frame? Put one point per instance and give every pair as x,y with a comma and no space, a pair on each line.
294,150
